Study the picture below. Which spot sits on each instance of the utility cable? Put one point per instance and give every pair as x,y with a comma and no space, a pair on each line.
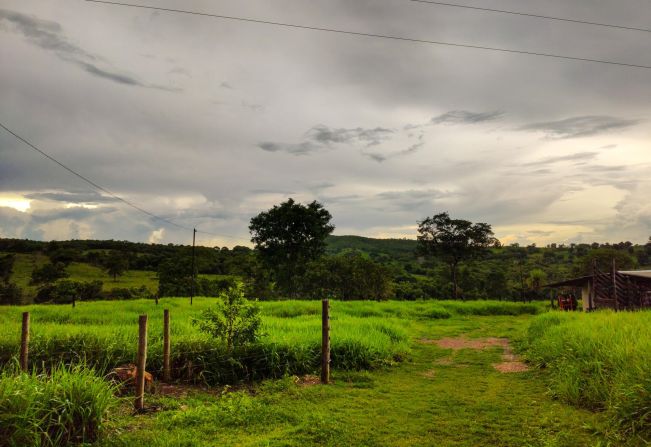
99,187
379,36
538,16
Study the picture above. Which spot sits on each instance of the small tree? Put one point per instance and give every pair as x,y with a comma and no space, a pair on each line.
454,241
235,320
116,265
49,273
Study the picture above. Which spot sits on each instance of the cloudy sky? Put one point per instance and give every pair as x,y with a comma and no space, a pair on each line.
206,122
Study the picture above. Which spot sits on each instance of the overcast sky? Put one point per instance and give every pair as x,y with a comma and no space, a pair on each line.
208,122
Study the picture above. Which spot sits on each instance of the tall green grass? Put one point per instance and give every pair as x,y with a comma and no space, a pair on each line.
600,361
65,407
103,335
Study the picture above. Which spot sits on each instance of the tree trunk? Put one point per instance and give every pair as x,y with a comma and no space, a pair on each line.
453,272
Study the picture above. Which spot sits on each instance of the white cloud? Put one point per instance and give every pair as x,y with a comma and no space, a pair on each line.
157,236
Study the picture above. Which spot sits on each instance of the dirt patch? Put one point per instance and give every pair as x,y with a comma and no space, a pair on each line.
307,380
445,361
511,362
470,343
511,367
181,390
430,374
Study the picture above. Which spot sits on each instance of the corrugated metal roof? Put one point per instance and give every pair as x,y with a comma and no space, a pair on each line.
639,273
584,280
574,282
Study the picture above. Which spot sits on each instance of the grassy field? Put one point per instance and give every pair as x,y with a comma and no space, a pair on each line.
104,334
437,397
80,271
393,385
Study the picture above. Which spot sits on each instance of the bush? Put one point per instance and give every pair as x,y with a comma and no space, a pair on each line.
236,321
70,406
66,291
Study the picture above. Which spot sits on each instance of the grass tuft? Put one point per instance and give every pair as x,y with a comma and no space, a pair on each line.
68,406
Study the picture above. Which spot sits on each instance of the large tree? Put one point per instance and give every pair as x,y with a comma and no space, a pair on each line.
288,237
49,273
453,241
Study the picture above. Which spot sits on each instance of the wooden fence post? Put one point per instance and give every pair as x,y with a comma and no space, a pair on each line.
325,342
24,342
166,345
141,362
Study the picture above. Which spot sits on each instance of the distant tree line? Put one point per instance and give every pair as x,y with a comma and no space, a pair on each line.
295,256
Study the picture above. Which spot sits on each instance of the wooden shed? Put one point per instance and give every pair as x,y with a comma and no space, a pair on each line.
617,289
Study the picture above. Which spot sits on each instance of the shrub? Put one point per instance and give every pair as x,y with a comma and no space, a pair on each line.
235,321
70,406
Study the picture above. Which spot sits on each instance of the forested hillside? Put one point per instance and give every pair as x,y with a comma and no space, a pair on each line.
122,269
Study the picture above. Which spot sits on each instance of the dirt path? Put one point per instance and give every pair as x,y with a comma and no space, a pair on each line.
511,362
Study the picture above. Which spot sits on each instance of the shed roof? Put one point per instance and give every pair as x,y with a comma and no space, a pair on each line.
584,280
574,282
639,273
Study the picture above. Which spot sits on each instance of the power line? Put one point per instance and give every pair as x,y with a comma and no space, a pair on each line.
561,19
99,187
379,36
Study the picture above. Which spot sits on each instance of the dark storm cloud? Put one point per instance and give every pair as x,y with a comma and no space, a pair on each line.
580,126
375,156
326,135
380,158
165,152
44,33
466,117
303,148
115,77
322,137
49,36
413,148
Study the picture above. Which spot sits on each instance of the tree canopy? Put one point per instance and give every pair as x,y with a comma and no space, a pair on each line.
288,237
453,240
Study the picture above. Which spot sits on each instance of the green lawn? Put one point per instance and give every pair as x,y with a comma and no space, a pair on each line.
131,278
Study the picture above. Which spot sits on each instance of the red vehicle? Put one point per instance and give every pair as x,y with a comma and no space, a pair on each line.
567,301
